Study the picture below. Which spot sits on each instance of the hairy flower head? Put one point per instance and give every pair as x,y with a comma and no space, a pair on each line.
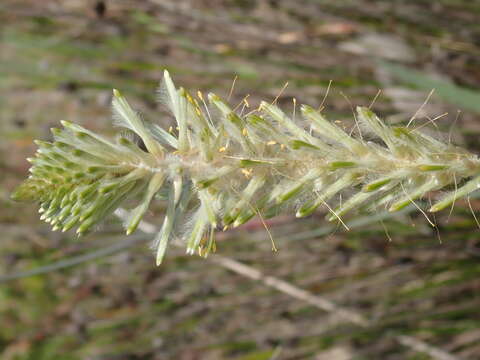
232,167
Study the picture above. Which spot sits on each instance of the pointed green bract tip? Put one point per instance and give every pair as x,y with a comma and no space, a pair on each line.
41,143
116,93
288,195
365,111
70,224
212,97
298,144
342,164
85,226
306,210
134,222
306,109
439,206
376,185
432,167
66,123
249,162
55,131
159,258
399,206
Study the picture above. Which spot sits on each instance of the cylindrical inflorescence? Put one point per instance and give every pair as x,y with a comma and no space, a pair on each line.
227,167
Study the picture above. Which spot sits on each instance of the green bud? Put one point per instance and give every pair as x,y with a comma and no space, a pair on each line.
432,167
298,144
341,164
375,185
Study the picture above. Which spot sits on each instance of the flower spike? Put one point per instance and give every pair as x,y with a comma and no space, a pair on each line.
223,170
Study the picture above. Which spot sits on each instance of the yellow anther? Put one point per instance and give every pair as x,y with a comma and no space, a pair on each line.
200,95
244,132
247,173
271,142
222,149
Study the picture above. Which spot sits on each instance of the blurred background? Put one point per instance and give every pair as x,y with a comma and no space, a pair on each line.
59,59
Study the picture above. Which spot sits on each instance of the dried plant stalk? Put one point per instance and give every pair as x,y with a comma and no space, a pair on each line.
232,167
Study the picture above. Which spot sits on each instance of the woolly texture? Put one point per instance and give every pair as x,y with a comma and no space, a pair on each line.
232,167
